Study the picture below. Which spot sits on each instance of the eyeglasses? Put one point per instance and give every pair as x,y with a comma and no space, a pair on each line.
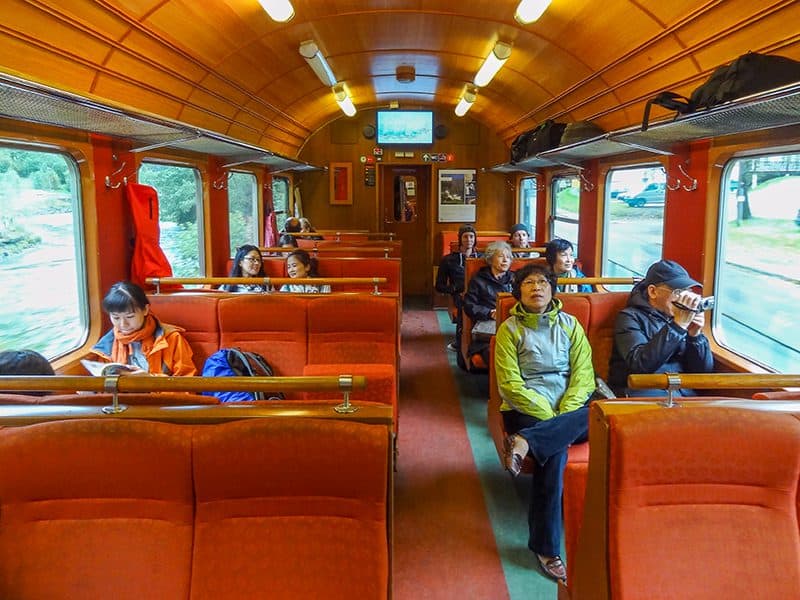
252,259
535,282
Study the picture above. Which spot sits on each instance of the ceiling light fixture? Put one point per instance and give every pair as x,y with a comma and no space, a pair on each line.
310,51
496,59
530,10
278,10
342,95
467,100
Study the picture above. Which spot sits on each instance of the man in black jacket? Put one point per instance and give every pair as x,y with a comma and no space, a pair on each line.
450,277
659,331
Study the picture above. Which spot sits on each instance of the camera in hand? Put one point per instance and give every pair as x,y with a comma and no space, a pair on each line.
705,304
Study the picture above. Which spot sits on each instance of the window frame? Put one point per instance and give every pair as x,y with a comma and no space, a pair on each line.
532,228
552,218
257,210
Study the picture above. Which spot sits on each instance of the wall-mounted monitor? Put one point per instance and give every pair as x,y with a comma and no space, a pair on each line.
412,127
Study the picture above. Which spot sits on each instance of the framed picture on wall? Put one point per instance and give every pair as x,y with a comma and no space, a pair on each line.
341,186
458,195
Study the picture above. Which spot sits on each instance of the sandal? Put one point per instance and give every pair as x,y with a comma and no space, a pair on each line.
514,453
553,568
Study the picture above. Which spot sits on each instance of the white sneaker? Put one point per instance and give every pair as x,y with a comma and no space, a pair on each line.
452,347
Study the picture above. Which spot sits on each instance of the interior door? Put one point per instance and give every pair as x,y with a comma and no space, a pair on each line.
404,206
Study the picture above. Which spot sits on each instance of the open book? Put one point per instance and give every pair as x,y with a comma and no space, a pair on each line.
104,369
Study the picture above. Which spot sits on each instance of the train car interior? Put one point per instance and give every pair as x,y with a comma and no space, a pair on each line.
330,188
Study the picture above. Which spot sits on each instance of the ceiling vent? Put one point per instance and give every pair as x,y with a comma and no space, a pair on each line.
405,74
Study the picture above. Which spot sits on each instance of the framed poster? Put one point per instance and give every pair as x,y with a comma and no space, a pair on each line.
341,185
458,194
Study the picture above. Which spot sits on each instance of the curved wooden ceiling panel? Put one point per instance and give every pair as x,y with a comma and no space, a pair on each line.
224,65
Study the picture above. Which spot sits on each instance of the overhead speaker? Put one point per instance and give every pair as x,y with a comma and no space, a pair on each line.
440,131
368,131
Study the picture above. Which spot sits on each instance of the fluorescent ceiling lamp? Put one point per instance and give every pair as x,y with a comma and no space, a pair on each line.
530,10
342,95
278,10
467,100
496,59
310,51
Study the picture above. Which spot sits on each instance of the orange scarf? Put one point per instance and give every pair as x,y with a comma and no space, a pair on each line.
120,350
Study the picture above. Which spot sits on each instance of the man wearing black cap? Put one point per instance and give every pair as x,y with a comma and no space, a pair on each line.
519,238
450,277
659,331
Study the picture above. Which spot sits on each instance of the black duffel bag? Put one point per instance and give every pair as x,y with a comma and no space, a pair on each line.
749,74
544,136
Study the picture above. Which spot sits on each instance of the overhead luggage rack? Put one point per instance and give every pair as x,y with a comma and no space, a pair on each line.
775,108
33,102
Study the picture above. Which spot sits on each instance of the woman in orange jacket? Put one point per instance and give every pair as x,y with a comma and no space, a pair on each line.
139,339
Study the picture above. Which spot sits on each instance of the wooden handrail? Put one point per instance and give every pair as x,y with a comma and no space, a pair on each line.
707,381
20,415
370,234
599,280
538,249
324,249
144,384
267,282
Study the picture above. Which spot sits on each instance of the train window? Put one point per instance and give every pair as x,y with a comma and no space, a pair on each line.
41,253
280,198
179,198
243,224
757,284
634,220
527,204
566,208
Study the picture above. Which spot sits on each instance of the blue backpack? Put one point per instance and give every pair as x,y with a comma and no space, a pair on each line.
234,362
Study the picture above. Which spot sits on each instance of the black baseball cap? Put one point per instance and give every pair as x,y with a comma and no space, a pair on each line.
669,273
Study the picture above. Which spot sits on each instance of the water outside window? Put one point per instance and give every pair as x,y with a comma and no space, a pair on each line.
41,253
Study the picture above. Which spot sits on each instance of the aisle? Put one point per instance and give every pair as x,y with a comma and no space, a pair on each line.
444,547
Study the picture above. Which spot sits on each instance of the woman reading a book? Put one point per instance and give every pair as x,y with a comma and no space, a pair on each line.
139,339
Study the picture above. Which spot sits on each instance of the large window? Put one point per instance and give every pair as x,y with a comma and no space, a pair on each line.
634,220
527,204
42,270
243,223
566,209
758,268
179,198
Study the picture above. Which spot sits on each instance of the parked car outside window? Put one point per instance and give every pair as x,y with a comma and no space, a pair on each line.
652,193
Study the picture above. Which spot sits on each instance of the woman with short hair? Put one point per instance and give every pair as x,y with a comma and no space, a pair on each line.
559,255
543,364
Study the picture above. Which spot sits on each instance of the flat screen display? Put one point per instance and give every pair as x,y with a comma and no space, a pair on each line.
405,127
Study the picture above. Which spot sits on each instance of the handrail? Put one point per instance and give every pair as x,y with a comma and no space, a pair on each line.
538,249
118,384
324,249
144,384
267,282
599,280
707,381
28,414
378,235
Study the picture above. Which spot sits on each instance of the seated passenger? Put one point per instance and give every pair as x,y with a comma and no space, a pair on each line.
287,241
138,338
558,253
481,297
653,335
299,265
519,238
24,362
292,225
543,363
450,277
305,227
246,263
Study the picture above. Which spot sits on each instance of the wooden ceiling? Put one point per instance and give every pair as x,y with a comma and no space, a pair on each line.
225,66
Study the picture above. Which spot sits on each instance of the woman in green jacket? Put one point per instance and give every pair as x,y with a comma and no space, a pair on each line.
543,363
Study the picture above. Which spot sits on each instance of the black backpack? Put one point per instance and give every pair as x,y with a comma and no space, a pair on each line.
749,74
234,362
545,136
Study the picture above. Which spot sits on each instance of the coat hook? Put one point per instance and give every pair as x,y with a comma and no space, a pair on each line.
588,186
112,186
671,188
219,184
693,186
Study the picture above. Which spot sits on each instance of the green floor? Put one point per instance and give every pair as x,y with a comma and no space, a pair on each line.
506,498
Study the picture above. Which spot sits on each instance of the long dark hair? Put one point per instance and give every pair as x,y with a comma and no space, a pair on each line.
241,252
125,296
305,258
